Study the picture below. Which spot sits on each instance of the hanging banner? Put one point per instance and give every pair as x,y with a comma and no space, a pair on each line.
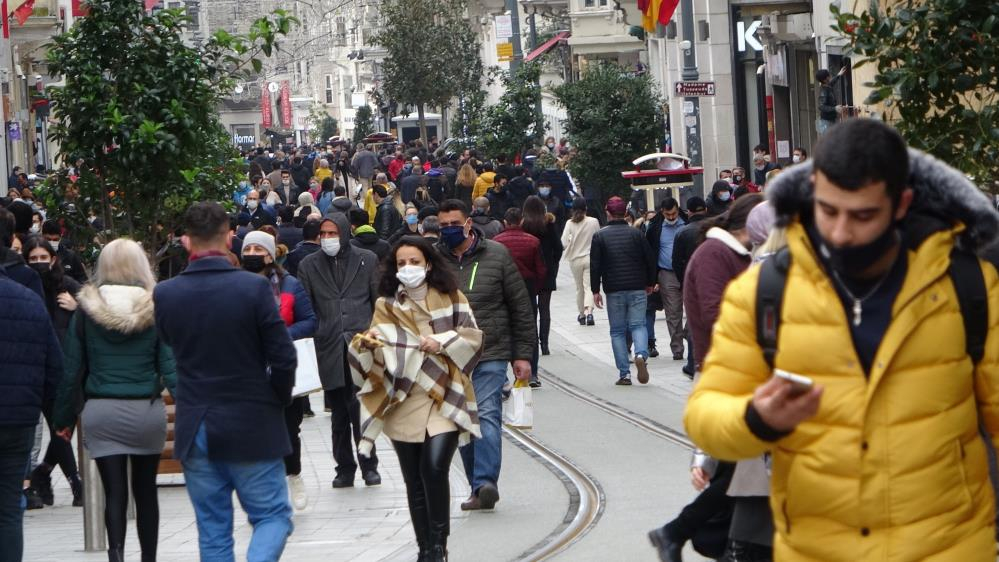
265,107
286,104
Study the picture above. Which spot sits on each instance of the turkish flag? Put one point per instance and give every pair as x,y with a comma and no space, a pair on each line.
24,11
150,4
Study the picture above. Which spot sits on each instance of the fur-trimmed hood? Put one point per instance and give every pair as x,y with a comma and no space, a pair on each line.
943,197
120,308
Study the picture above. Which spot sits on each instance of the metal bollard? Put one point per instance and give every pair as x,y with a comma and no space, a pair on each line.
94,531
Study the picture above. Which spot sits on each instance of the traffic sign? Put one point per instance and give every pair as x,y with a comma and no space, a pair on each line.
694,89
504,52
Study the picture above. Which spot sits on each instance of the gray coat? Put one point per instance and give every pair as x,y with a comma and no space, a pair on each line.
343,311
364,163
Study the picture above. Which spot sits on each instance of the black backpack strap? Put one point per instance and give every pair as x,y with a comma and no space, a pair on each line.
969,283
769,302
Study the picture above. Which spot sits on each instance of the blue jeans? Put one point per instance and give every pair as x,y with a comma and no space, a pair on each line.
15,449
650,323
482,457
626,313
262,491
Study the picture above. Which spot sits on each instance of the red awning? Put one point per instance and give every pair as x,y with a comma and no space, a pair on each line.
547,46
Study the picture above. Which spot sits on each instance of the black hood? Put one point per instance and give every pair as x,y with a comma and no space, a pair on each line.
943,197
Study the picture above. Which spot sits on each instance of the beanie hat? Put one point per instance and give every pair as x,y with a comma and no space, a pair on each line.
760,222
262,239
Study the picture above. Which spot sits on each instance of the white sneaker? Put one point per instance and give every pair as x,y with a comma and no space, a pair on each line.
296,489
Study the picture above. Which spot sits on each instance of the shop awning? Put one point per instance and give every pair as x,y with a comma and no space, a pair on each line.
547,46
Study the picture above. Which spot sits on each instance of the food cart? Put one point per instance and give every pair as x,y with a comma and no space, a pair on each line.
671,171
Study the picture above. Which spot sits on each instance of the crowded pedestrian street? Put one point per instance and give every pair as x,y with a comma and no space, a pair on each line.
499,281
635,455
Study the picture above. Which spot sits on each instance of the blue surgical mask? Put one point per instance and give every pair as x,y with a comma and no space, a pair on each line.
724,196
412,219
453,236
545,192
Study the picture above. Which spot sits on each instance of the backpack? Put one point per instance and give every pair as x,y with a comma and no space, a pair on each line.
965,273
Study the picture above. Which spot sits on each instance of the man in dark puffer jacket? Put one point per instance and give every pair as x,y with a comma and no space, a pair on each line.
620,257
32,367
489,279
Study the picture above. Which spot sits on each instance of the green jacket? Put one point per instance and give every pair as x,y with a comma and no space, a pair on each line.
124,356
500,302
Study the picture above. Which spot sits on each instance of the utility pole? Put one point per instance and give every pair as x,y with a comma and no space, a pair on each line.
518,54
691,104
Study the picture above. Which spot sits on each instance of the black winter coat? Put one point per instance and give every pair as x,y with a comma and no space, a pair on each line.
387,219
621,259
685,244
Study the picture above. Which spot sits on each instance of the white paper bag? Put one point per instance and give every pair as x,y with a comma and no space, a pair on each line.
307,376
518,410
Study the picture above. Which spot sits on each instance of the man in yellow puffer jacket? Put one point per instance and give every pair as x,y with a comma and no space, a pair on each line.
882,459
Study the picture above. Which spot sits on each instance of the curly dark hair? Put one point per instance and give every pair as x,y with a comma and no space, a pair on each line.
440,275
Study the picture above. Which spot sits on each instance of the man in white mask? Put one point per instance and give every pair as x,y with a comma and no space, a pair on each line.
342,284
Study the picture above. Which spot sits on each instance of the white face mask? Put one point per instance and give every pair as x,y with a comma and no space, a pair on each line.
286,182
411,276
55,245
796,158
34,228
251,204
330,246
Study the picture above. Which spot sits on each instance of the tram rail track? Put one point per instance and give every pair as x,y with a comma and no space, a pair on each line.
586,498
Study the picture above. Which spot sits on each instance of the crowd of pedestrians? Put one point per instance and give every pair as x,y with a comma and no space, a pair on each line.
425,280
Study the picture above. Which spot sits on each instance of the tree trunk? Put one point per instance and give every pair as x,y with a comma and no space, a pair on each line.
421,112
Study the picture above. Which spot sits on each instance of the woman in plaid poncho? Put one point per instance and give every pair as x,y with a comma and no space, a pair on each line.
413,367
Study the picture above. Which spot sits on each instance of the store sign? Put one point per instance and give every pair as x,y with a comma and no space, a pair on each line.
694,89
747,35
286,104
244,136
504,52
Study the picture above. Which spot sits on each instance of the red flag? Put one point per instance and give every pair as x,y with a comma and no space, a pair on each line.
265,107
150,4
24,11
6,22
666,10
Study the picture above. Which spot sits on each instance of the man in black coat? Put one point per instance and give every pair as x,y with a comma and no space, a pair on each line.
288,234
364,236
235,372
387,218
342,284
684,245
309,246
623,264
71,264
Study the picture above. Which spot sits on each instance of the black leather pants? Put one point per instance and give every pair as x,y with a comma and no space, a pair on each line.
425,468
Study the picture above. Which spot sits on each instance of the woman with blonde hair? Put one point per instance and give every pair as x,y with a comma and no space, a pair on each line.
464,184
113,352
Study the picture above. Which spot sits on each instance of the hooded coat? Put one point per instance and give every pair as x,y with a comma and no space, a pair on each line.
892,467
342,308
124,357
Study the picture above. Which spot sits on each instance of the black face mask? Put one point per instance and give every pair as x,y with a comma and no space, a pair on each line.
855,260
44,269
254,264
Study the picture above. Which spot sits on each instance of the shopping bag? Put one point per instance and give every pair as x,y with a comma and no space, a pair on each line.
307,375
518,410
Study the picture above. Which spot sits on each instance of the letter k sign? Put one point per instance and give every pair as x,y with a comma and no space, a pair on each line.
748,35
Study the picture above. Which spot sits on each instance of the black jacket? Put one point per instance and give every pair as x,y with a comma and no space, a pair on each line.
72,266
300,174
684,245
295,257
499,299
289,235
827,100
717,207
518,190
621,259
19,271
387,219
371,241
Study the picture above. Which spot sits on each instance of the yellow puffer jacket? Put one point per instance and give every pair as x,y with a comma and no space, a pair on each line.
482,184
891,468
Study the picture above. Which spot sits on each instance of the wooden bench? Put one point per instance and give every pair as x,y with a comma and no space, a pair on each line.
168,465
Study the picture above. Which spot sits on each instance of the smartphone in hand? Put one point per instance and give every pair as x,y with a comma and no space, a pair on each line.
800,384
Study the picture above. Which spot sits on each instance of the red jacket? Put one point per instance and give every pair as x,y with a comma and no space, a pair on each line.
525,249
715,263
394,167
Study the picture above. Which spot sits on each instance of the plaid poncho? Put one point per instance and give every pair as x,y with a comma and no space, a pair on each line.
387,375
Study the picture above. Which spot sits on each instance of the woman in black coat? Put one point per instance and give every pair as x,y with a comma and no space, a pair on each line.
539,222
60,300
